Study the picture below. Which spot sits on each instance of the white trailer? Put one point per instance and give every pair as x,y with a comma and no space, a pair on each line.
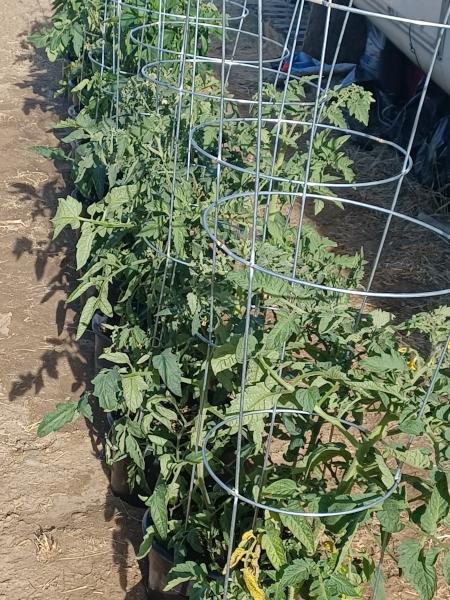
417,42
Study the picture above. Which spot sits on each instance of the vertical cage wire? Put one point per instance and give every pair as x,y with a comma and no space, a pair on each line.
264,185
304,190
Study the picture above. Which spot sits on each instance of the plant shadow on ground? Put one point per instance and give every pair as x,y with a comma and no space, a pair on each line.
54,264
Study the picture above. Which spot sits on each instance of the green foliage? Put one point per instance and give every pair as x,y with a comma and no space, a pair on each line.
64,414
166,388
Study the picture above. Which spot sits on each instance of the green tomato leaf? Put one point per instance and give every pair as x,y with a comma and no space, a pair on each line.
251,346
389,517
79,291
84,246
39,39
192,302
223,358
385,362
386,475
295,574
380,318
132,391
65,413
84,407
86,316
320,589
343,585
134,451
281,489
80,86
256,397
195,458
99,178
308,398
77,38
106,388
188,571
76,134
409,552
178,234
68,213
422,576
146,545
272,544
194,540
172,493
52,153
415,458
169,370
158,510
280,334
134,429
160,441
300,528
437,506
103,303
432,556
446,567
118,358
415,427
165,412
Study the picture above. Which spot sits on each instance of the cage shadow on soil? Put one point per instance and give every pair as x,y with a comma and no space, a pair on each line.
39,87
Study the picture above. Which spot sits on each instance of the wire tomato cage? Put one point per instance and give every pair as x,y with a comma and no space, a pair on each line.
267,184
179,58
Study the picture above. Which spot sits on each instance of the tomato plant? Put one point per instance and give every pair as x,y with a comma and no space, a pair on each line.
168,387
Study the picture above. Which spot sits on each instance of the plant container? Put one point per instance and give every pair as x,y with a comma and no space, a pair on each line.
160,562
73,98
119,475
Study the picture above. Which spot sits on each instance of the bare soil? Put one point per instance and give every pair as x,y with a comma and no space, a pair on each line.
64,535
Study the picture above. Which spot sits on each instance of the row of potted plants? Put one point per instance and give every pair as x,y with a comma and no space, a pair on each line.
177,333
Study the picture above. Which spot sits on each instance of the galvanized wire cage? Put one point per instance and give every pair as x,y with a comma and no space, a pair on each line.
173,57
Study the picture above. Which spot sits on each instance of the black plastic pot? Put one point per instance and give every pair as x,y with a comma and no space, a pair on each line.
74,110
119,476
160,562
73,98
101,341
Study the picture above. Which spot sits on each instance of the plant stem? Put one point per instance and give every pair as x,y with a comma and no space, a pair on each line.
430,536
201,484
333,421
275,375
278,164
107,223
377,434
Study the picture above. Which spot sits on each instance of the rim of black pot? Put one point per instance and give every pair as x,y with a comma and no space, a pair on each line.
97,320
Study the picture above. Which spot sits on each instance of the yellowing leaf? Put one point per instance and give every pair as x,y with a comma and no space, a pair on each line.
235,558
328,545
248,535
412,364
252,585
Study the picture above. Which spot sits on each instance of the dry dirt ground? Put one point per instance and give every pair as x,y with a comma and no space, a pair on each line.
63,534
